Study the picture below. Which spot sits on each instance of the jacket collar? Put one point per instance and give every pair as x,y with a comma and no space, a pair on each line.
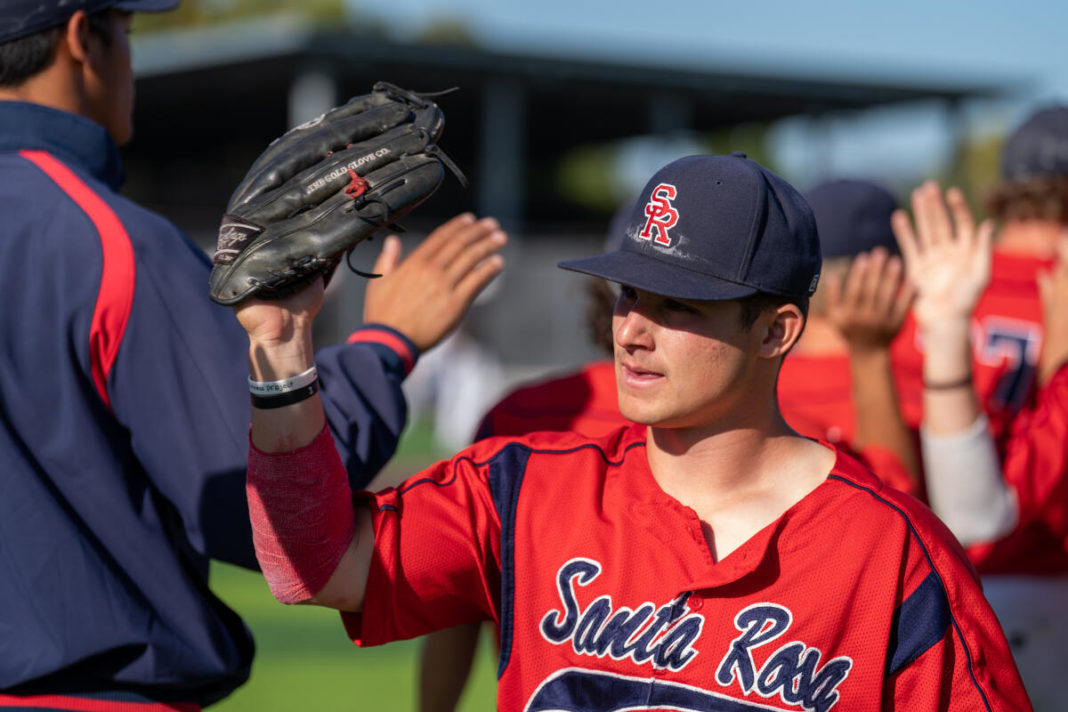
71,138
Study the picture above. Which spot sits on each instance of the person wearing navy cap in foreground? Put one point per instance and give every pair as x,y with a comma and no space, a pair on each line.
124,434
704,558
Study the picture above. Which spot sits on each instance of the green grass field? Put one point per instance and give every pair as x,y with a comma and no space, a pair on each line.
304,661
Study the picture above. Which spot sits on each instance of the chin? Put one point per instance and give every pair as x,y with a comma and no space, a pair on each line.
641,416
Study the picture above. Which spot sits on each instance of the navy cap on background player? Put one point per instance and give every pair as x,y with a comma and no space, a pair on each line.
1039,147
713,228
852,216
19,18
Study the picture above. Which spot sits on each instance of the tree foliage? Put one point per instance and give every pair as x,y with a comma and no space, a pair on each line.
194,13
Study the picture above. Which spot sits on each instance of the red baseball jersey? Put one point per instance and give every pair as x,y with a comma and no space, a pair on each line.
608,598
1036,469
582,402
816,399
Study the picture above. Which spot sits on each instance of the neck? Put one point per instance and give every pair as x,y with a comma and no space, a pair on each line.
1030,238
719,456
737,480
58,86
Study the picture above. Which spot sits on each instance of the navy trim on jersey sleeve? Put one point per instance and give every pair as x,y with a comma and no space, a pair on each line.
918,624
505,481
934,572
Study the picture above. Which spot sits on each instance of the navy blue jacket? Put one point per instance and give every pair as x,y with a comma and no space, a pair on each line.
124,417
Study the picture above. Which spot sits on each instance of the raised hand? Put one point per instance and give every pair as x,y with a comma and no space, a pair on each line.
426,295
947,257
869,306
870,303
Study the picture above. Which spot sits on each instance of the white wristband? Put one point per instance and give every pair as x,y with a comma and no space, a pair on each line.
286,385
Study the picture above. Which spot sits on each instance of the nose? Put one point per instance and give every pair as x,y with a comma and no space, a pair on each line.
631,326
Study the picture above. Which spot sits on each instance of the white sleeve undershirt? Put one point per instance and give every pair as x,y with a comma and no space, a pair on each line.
964,484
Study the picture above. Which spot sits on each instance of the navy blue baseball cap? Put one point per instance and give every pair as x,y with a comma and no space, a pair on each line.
852,216
712,228
19,18
1039,147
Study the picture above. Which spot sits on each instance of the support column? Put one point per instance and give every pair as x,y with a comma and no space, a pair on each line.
312,93
502,154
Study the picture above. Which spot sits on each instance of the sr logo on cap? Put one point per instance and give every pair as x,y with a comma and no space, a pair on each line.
660,214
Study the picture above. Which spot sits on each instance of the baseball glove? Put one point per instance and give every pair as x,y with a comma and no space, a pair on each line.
324,186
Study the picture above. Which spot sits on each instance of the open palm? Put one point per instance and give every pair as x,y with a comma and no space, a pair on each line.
947,257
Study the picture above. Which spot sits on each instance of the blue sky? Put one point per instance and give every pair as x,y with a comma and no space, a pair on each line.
915,40
905,37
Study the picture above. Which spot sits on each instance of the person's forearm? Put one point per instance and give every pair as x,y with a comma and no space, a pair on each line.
292,426
878,415
949,401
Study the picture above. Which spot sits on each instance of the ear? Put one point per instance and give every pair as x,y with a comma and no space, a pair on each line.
782,328
76,35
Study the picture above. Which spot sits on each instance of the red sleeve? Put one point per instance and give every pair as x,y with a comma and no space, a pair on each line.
1036,458
940,679
968,664
436,561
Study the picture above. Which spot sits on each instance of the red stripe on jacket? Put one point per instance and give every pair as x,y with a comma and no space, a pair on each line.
115,297
387,339
90,704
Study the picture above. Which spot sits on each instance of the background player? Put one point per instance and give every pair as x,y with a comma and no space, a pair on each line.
949,260
673,558
838,383
123,440
1025,571
1030,203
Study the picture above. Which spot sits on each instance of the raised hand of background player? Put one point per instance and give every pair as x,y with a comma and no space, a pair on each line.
427,294
869,304
1053,288
947,257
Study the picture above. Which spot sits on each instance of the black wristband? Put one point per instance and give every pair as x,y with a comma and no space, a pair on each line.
949,385
284,399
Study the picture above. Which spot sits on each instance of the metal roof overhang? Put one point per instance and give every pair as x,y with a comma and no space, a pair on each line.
222,92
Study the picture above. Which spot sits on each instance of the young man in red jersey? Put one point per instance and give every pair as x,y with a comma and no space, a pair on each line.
705,558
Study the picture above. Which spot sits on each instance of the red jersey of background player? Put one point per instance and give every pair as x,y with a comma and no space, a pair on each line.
635,613
816,399
1006,340
583,402
1036,469
815,396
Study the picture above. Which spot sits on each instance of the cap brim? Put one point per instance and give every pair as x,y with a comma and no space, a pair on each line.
145,5
635,269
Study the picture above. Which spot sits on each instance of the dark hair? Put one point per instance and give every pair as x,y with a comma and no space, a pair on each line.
25,57
756,304
1042,198
599,309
